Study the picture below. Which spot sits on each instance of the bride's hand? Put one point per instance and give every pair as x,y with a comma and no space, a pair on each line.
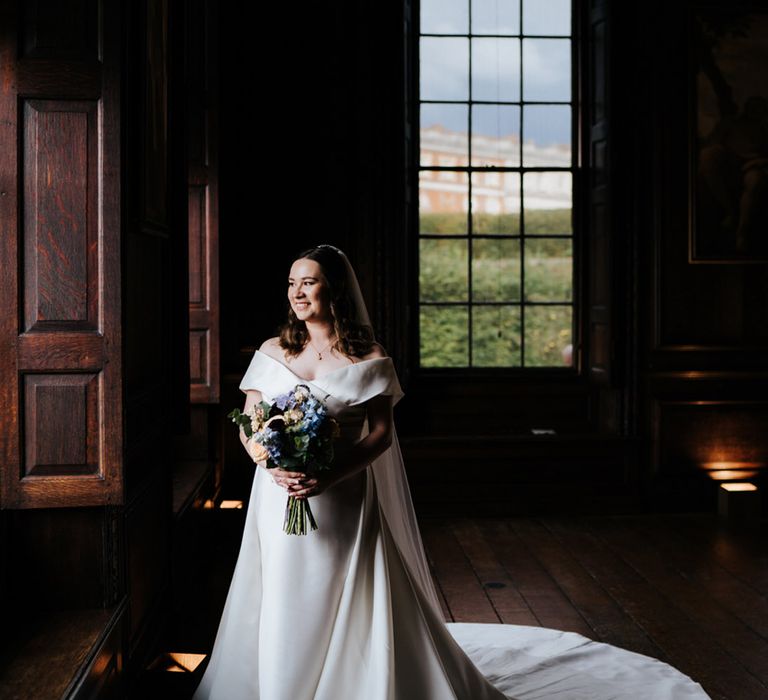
288,480
315,484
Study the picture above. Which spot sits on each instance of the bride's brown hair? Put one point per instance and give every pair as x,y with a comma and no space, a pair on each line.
352,338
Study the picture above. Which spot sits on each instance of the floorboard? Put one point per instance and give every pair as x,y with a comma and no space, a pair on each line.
686,589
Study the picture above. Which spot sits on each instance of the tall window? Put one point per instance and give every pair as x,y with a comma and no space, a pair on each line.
495,183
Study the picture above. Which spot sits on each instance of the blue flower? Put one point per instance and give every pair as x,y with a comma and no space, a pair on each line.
282,401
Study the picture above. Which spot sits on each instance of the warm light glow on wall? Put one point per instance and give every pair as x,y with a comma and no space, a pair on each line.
731,474
177,662
185,663
730,471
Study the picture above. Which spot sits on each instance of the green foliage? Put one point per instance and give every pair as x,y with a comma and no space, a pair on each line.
547,333
444,336
242,420
443,274
496,338
537,222
544,221
443,223
496,277
496,223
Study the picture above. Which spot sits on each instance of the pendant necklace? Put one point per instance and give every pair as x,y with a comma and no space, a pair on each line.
319,355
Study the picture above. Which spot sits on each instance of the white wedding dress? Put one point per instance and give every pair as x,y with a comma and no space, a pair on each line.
349,611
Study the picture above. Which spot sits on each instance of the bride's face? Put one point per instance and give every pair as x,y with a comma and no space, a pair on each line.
308,292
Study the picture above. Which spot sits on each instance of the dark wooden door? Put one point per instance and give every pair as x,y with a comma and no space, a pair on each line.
60,242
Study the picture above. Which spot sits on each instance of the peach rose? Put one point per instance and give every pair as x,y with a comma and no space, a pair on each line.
257,451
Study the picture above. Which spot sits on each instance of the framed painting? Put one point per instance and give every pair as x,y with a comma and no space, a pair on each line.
728,206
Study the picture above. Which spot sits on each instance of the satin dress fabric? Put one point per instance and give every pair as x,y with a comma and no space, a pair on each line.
349,611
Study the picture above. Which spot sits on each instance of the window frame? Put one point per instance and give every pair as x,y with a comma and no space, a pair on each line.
414,235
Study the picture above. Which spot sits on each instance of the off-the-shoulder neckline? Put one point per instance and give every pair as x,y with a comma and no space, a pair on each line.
326,374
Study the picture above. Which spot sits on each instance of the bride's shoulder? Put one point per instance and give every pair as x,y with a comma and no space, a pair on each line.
271,347
377,350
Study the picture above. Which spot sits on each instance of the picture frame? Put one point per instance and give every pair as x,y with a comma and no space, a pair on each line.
728,135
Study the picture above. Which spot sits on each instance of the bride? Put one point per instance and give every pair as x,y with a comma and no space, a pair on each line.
349,611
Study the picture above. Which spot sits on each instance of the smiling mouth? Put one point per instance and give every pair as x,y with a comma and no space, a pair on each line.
301,305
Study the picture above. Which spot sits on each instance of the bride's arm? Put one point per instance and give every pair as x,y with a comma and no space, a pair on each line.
252,397
362,453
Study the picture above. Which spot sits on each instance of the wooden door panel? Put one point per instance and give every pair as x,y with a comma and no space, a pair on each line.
60,361
60,234
203,207
66,441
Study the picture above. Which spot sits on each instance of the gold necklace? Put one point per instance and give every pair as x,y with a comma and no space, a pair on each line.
319,355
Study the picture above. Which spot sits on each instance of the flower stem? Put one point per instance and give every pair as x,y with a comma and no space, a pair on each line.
297,512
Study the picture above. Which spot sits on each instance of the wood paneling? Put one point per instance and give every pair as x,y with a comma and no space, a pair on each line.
203,205
61,435
58,560
597,224
61,248
60,29
705,356
148,548
507,475
710,434
74,654
102,678
199,356
154,183
155,255
60,205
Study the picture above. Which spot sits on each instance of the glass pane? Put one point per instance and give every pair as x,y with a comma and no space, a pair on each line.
496,202
495,269
443,334
443,201
443,135
444,17
548,340
547,69
443,274
495,17
547,17
496,70
496,336
547,135
547,201
496,135
548,269
444,68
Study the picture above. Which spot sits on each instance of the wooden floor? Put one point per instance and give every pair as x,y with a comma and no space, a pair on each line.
684,589
687,590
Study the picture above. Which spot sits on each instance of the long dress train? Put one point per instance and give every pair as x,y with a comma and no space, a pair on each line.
349,611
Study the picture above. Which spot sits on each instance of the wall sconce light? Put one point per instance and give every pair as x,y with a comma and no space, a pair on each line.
738,501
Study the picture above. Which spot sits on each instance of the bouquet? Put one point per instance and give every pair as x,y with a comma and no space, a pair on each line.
293,432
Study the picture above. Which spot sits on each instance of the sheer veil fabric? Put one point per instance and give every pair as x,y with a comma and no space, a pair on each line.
350,611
